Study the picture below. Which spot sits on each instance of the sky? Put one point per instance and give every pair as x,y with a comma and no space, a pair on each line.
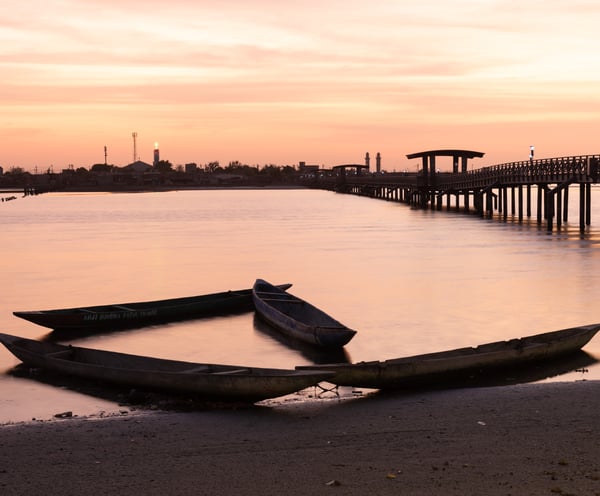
275,82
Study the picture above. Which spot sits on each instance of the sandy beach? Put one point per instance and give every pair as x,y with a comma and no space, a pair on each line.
516,440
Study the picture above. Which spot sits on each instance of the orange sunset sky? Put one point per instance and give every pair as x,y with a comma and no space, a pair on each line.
270,81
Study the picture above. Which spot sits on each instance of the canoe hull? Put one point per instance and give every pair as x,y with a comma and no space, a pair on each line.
140,314
434,369
224,382
298,318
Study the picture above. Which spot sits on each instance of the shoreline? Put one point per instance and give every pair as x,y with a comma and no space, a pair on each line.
155,189
522,439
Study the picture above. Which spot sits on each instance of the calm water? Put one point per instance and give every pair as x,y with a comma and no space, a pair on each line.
410,281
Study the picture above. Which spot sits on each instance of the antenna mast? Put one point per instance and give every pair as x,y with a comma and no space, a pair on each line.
134,136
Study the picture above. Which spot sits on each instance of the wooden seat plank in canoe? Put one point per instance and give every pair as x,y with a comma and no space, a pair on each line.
283,300
278,293
200,368
127,309
233,372
60,354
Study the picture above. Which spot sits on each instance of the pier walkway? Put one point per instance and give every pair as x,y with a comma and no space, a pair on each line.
498,188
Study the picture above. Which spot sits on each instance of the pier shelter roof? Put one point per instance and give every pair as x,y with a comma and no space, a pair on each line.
428,158
343,166
447,153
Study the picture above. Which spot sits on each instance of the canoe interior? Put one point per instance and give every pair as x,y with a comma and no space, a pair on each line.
297,309
125,361
144,305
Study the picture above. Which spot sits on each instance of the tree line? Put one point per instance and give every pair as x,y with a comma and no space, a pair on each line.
163,171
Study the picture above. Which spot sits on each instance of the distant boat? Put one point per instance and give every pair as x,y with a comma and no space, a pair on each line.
140,314
459,365
298,318
224,382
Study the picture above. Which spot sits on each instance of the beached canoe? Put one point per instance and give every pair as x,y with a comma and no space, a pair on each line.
224,382
140,314
460,365
298,318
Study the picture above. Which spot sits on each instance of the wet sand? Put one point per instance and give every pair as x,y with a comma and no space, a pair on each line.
517,440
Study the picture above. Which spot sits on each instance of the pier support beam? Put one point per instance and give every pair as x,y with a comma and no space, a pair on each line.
588,204
558,208
540,202
520,203
582,207
549,207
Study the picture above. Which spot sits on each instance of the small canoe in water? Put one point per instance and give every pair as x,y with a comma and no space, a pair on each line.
454,366
140,314
224,382
298,318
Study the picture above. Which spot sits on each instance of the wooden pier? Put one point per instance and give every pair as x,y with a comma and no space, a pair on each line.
503,188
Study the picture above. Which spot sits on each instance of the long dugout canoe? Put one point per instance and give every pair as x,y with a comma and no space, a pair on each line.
145,313
440,368
224,382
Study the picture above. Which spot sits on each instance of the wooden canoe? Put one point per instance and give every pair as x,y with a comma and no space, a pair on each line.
224,382
298,318
140,314
437,369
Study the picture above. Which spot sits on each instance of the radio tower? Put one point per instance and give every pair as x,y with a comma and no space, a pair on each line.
134,136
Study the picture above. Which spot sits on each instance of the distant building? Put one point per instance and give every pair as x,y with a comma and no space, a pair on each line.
302,167
1,171
138,167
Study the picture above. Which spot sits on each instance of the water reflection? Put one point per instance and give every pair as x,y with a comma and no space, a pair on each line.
315,354
124,396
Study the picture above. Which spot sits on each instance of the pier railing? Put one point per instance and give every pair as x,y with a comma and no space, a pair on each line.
575,169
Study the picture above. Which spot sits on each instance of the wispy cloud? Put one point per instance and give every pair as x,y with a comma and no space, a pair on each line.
331,65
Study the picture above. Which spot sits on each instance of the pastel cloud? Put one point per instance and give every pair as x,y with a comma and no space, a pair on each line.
270,82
